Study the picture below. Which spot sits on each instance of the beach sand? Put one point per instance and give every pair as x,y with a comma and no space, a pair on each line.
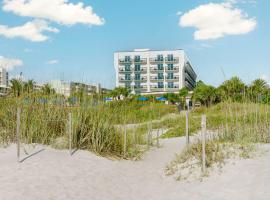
55,175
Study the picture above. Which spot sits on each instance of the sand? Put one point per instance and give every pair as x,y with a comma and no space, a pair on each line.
55,175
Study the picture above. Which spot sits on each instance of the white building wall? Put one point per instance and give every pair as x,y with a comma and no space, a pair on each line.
150,85
3,77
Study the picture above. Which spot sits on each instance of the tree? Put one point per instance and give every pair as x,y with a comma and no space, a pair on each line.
172,98
232,89
16,87
257,89
120,91
183,93
205,94
47,89
29,86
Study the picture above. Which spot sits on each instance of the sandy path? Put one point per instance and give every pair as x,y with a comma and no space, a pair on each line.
54,175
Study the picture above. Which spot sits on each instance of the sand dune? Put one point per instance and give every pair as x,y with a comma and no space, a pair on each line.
54,175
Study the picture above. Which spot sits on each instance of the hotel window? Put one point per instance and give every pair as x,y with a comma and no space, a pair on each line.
170,57
137,85
160,76
170,85
160,58
127,68
128,85
127,58
160,67
137,77
137,58
170,75
160,85
137,68
170,66
127,77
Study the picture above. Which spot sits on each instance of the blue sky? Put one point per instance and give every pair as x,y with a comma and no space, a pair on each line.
81,48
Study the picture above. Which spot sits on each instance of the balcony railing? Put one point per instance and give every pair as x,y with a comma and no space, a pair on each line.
122,70
156,88
156,60
156,78
142,61
125,61
171,60
175,69
155,69
125,80
142,87
175,78
142,79
142,70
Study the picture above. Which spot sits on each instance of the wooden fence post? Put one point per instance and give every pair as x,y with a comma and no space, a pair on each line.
187,129
158,138
70,132
125,139
203,143
18,137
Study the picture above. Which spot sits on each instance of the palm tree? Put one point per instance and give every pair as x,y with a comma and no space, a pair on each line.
257,88
29,86
16,87
232,89
47,89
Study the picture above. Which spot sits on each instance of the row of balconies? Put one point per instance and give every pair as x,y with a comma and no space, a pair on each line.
152,70
143,61
152,79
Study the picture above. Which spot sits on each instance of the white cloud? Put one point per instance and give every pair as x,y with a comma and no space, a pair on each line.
10,63
26,50
60,11
32,31
214,21
52,62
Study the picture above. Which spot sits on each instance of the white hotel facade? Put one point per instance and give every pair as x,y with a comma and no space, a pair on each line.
154,72
3,81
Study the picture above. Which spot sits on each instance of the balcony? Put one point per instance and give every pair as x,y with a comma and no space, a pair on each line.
121,79
175,69
156,88
173,79
142,70
170,60
156,60
140,88
142,79
123,70
142,61
155,70
156,79
124,61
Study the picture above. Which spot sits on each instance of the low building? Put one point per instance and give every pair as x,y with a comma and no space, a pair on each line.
144,71
69,89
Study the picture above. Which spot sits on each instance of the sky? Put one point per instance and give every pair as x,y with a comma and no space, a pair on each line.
74,40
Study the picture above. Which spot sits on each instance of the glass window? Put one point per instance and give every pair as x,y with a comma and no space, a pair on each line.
137,85
137,58
170,66
127,77
160,85
127,58
160,76
137,76
170,85
160,58
170,75
128,85
160,67
127,68
170,57
137,67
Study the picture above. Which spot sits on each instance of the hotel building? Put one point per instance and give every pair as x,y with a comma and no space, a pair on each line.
144,71
3,81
